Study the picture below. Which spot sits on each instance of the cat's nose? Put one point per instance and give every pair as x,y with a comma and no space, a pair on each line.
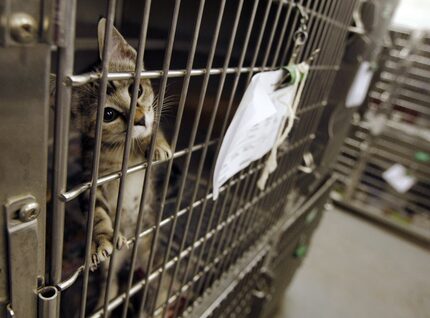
140,122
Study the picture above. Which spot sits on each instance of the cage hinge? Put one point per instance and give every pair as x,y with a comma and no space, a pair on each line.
22,236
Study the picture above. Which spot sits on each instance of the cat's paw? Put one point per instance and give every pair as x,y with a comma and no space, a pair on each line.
162,152
101,249
122,242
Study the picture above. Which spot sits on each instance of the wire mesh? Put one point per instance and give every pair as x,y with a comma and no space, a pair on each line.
193,240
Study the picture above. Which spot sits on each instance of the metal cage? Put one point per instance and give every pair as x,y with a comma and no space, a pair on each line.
218,251
398,96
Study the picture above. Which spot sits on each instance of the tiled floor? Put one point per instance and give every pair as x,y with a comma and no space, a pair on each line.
357,270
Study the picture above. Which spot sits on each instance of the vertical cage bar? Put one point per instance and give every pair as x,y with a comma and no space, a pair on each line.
282,35
224,127
204,151
253,215
245,172
230,236
128,139
179,114
63,98
313,30
203,209
272,34
96,157
259,41
337,41
146,185
314,75
190,145
291,35
267,11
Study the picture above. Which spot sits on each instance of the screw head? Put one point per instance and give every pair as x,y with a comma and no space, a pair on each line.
23,27
29,211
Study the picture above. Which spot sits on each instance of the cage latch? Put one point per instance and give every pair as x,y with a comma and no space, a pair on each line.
21,226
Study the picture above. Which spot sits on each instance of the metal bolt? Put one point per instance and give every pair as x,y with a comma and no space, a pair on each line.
23,27
29,211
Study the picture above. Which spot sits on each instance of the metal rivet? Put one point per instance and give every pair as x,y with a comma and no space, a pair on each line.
29,211
23,27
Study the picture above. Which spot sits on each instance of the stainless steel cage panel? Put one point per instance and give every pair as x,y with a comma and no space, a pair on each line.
399,95
205,53
25,37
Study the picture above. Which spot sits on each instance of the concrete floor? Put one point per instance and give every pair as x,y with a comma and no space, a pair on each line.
357,270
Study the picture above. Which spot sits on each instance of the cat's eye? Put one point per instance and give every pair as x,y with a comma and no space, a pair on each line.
139,92
110,115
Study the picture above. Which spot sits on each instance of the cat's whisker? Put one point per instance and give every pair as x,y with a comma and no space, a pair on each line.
138,145
167,99
174,97
170,103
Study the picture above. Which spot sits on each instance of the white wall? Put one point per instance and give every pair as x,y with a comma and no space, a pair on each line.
413,14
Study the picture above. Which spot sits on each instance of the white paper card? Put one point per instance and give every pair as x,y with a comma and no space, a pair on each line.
377,122
397,177
360,86
254,128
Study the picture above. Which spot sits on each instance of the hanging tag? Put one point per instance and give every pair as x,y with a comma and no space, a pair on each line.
254,128
291,99
397,177
360,86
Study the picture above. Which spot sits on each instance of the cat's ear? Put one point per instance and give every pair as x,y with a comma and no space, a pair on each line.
120,47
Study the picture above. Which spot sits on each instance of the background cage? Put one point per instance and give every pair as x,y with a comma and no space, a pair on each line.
398,97
224,252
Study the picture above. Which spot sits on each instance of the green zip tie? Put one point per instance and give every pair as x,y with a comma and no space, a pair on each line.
422,156
301,251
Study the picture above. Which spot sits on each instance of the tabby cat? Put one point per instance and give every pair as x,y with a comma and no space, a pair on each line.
116,112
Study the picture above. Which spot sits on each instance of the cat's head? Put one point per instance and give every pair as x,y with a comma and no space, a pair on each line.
117,107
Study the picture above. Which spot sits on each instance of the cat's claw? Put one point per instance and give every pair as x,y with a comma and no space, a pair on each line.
122,242
163,152
100,252
94,262
104,251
